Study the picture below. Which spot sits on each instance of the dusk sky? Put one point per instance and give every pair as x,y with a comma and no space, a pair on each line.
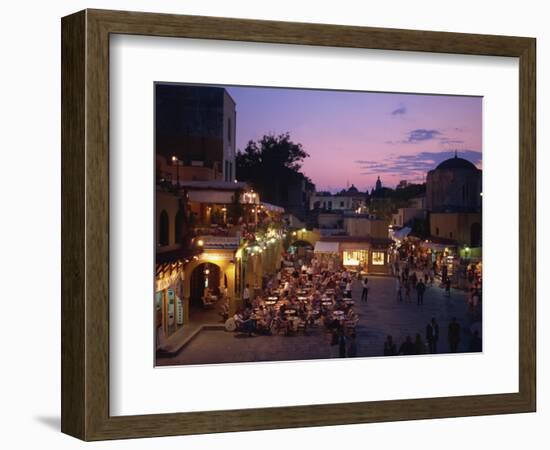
352,137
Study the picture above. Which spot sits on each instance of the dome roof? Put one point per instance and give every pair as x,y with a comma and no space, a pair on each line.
456,163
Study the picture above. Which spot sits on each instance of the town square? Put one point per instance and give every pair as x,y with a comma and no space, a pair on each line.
273,246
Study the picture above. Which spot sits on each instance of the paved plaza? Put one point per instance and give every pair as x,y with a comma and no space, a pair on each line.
380,316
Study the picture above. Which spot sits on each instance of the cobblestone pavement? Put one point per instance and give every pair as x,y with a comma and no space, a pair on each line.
380,316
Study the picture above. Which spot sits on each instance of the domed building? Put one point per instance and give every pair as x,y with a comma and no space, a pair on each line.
454,186
453,201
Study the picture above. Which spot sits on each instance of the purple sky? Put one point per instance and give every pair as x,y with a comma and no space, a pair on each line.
352,137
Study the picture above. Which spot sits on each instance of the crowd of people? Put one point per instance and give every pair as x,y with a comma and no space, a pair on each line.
305,293
414,272
420,346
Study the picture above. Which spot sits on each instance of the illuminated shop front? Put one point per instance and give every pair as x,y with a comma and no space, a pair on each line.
362,254
443,253
169,314
355,258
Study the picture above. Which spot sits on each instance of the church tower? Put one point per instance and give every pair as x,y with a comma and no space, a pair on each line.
378,184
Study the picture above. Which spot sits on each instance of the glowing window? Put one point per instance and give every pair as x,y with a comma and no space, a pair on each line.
355,257
378,258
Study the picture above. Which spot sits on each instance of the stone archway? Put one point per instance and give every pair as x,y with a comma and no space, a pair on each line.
204,275
221,274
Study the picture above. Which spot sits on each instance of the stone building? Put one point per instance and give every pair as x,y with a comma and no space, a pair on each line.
454,186
453,200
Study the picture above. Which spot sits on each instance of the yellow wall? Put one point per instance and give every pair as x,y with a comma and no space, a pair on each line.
362,226
453,225
227,267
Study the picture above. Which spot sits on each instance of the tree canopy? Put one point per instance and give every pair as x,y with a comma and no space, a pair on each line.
271,162
272,153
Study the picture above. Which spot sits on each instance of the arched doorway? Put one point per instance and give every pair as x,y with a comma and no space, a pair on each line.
205,275
475,235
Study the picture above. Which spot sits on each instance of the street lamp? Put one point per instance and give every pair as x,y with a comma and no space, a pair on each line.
176,161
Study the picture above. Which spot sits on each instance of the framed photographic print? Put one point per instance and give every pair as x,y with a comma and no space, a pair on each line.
266,224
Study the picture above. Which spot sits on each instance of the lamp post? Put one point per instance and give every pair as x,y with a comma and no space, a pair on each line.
176,162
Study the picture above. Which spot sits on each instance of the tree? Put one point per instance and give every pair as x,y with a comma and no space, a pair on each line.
271,164
276,152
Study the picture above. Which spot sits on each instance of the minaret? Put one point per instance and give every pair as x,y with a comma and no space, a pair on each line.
378,184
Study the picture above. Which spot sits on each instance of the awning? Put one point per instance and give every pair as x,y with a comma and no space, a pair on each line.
326,247
399,235
272,208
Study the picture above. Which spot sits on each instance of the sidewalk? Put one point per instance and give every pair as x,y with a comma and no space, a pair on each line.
203,320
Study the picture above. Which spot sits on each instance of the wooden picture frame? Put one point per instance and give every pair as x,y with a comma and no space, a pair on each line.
85,224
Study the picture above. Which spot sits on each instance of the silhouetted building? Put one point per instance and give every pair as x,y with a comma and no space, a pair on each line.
196,125
378,184
453,199
454,186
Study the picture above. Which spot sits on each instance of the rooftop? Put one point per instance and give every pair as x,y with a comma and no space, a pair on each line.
456,163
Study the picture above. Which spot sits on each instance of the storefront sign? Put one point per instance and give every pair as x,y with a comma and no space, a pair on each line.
221,243
206,256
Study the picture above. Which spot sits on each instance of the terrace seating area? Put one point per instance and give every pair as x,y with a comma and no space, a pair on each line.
301,296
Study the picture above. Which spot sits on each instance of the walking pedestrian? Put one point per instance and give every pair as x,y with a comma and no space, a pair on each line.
341,344
444,273
389,347
365,293
420,289
408,291
419,347
448,287
398,290
432,335
414,280
454,335
347,292
352,346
